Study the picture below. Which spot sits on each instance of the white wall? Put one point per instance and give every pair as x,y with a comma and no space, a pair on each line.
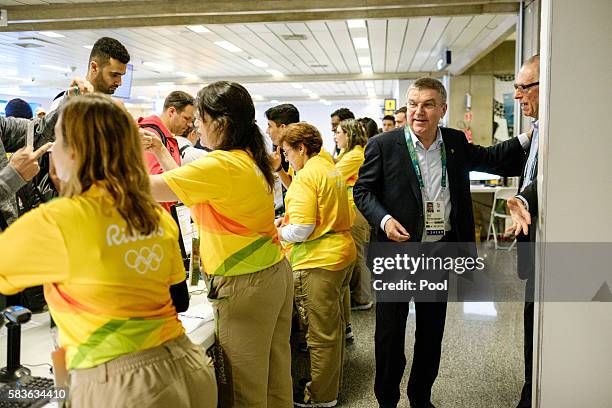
318,114
575,339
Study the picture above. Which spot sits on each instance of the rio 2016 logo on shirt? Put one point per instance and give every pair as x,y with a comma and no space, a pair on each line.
145,259
116,235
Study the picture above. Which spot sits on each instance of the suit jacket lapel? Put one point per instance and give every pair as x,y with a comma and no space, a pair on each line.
405,158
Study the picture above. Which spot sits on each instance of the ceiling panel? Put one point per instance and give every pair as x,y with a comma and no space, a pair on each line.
395,46
435,28
411,41
454,29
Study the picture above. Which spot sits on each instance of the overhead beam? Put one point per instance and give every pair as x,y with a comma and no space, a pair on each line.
73,16
263,79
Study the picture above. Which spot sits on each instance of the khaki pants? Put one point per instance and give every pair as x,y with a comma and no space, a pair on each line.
361,291
253,358
318,299
177,374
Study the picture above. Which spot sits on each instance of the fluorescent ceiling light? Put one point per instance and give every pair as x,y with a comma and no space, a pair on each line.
366,70
275,72
356,23
314,96
258,97
89,47
297,86
157,67
306,91
186,74
365,61
144,98
361,43
257,63
165,84
226,45
274,101
51,34
56,68
198,29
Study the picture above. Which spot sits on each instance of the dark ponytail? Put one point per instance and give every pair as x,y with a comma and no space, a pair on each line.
231,108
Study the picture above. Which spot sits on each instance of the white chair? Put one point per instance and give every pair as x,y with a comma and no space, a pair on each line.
501,193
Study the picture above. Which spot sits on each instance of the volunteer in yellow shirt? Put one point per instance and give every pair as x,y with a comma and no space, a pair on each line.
351,138
109,260
251,286
317,226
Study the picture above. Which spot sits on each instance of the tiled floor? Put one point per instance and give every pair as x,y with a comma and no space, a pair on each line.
482,353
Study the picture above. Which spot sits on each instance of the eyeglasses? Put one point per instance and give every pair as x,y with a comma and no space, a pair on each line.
524,88
429,105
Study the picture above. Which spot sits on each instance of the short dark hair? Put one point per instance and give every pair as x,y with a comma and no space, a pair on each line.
284,114
389,117
403,109
369,125
179,100
18,108
106,48
343,114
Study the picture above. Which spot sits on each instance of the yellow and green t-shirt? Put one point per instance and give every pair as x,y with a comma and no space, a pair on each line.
317,195
348,165
108,292
234,208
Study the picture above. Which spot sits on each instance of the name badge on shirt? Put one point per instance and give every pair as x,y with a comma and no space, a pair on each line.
434,218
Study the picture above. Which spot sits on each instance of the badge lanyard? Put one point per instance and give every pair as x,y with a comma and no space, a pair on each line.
415,160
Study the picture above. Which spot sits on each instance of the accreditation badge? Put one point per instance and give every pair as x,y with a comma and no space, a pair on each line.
434,219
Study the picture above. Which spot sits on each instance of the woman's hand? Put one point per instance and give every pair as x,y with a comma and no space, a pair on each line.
151,142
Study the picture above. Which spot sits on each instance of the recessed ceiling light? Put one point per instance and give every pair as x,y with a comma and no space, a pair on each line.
56,68
361,43
275,72
297,86
51,34
356,23
257,63
198,28
366,70
157,67
365,61
226,45
186,74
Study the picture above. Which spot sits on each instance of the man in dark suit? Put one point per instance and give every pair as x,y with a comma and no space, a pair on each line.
401,174
524,207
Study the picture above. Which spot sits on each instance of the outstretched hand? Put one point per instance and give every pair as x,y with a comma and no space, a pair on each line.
521,219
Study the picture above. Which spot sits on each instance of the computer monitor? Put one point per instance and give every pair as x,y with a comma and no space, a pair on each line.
182,216
125,90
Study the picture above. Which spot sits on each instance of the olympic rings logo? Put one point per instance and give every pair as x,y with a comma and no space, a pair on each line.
144,260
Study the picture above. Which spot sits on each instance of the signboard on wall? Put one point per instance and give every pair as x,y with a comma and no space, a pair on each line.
390,106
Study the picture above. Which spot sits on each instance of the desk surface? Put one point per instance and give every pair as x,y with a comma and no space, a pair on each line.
36,343
481,188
